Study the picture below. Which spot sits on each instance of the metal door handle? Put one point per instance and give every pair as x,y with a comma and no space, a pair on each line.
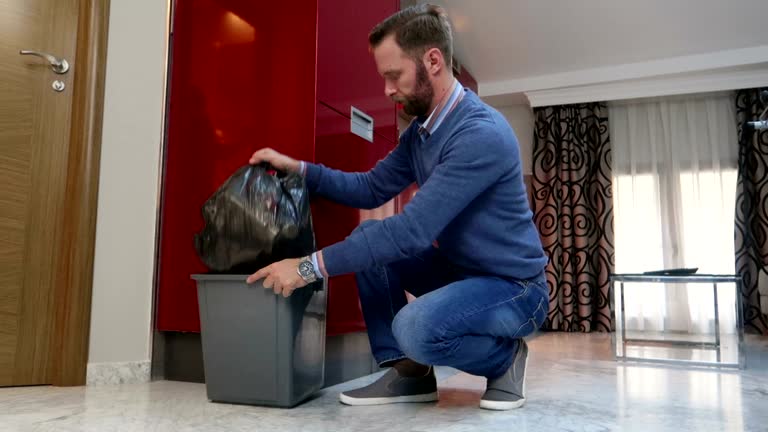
60,66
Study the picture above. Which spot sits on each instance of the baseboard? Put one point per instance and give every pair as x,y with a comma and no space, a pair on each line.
118,373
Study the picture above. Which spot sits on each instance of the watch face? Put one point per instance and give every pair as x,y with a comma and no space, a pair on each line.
306,268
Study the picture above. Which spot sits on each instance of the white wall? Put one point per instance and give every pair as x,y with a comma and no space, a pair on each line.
521,119
128,184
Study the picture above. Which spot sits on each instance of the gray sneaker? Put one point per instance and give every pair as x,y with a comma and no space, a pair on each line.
508,391
393,388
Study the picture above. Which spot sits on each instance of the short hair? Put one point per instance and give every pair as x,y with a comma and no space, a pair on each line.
417,29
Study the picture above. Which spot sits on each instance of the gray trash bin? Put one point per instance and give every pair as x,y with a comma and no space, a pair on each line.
260,348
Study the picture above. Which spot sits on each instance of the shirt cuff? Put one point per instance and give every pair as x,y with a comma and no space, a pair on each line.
316,265
303,171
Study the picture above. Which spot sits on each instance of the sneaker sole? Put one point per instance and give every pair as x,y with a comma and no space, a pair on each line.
348,400
501,405
507,405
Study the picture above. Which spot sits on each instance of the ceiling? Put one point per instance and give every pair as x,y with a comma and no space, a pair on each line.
501,40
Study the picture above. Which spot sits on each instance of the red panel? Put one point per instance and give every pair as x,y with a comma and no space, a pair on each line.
337,148
346,74
242,78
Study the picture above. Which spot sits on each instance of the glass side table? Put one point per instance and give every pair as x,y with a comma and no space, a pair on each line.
724,348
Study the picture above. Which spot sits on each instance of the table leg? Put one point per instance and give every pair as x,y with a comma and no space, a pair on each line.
717,327
623,322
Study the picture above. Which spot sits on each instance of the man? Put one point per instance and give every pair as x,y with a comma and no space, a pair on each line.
465,246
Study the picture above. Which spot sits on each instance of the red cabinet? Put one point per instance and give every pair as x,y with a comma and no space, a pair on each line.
337,147
346,72
245,75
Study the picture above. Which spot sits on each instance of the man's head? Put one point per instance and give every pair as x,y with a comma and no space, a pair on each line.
413,50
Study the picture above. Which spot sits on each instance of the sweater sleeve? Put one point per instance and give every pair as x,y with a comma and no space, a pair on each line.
471,162
366,190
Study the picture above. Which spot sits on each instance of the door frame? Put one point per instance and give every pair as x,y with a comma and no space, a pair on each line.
74,253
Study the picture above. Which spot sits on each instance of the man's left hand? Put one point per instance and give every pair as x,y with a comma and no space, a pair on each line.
282,277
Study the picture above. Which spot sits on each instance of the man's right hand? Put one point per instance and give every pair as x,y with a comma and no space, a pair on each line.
277,160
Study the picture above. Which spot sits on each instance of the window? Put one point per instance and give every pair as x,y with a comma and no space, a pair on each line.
674,187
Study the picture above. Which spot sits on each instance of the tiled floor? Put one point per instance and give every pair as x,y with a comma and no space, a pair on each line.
573,385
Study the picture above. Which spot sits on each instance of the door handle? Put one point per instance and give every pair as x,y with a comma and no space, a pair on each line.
60,66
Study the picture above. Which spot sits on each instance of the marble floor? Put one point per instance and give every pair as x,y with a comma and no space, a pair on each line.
573,385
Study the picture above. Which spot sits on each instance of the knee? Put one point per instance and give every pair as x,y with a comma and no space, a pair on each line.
370,280
415,335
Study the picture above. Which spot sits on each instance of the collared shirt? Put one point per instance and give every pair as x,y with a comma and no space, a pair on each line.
446,105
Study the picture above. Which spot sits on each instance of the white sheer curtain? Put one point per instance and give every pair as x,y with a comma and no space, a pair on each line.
674,185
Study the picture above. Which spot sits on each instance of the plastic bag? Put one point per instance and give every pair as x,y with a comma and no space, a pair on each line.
257,217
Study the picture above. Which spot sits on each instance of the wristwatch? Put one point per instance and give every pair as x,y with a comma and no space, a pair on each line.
307,270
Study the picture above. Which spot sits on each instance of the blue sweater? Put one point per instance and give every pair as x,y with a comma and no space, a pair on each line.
471,199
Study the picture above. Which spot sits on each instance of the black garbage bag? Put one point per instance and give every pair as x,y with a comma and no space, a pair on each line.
257,217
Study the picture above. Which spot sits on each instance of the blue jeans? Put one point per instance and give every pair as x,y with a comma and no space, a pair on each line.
469,322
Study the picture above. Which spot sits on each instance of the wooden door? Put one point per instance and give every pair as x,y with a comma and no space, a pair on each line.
34,151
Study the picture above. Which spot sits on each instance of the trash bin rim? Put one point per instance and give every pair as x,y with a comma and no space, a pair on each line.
220,277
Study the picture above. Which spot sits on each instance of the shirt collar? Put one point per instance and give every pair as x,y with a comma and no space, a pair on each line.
446,105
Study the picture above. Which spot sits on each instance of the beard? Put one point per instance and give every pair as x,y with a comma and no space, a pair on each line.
418,103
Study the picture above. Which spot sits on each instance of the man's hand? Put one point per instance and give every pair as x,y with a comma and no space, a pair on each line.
277,160
282,277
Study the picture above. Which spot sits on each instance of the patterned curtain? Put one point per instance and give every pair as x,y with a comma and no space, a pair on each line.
751,237
573,209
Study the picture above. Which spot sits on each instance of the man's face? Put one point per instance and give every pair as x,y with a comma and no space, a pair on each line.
405,81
